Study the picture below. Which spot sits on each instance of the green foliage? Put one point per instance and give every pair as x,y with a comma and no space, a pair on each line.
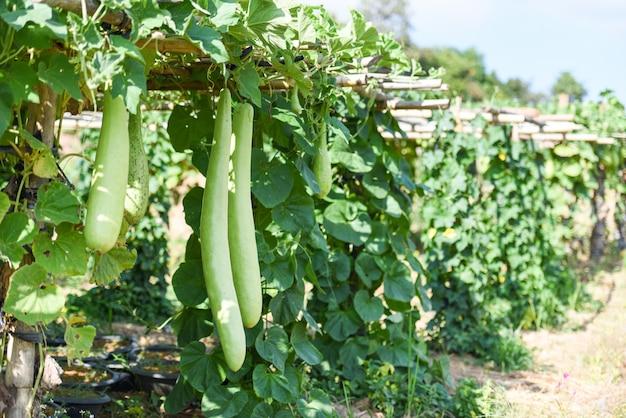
140,292
567,84
488,233
472,400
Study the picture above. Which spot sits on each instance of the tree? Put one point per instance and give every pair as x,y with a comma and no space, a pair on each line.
567,84
389,16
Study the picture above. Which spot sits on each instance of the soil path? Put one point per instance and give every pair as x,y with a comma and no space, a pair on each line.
578,373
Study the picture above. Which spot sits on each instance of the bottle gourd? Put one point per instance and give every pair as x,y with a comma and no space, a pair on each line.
217,270
241,232
105,205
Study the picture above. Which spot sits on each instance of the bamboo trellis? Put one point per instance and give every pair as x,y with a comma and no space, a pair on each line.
527,123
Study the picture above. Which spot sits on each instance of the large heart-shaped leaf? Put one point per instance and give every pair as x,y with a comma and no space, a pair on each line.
32,298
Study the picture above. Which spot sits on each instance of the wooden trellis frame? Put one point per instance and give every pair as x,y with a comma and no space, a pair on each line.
528,124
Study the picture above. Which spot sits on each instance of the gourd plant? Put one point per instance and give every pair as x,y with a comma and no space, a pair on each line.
486,234
313,252
322,253
587,172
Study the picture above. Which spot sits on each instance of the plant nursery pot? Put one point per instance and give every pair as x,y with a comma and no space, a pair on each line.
104,348
156,376
77,400
89,376
126,382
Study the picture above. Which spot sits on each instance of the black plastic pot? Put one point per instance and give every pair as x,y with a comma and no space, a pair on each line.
137,352
159,382
126,382
113,379
74,404
145,368
124,350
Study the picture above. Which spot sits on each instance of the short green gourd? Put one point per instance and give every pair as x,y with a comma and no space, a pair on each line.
105,205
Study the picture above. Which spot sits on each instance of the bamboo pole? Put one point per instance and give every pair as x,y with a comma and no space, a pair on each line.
563,117
546,137
408,135
415,84
412,113
171,44
562,127
416,127
581,137
351,80
396,104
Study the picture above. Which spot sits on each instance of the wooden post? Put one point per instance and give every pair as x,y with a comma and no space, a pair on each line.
21,354
563,101
20,372
600,212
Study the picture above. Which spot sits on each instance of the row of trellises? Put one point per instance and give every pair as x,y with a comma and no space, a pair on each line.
330,200
499,206
586,143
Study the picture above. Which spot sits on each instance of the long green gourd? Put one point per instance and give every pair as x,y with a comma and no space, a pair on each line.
321,164
216,263
241,232
105,205
137,190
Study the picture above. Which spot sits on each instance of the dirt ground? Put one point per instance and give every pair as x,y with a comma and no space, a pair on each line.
577,373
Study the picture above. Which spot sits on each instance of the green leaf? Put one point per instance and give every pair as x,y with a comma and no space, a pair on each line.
199,368
225,14
367,269
295,214
56,204
565,150
398,284
341,324
131,82
572,169
192,324
278,275
192,204
248,81
5,204
40,14
275,385
286,306
305,348
189,126
272,181
44,164
180,397
376,182
31,298
273,346
262,410
348,221
262,14
65,255
16,230
188,283
60,75
318,406
109,266
79,341
209,40
223,402
369,309
23,80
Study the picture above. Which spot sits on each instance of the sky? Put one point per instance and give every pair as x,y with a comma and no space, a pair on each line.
534,40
